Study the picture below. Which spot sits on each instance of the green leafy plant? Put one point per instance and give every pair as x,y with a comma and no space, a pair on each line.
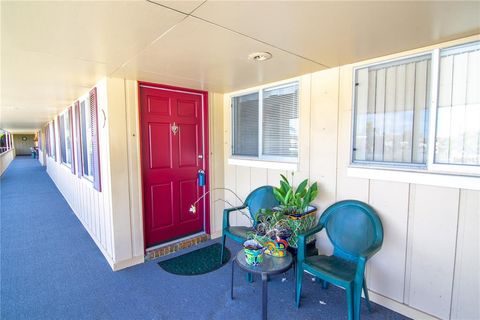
295,200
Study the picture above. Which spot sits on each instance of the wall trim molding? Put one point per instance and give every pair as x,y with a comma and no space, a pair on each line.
430,179
127,263
399,307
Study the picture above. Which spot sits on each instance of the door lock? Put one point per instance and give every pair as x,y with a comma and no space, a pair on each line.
201,178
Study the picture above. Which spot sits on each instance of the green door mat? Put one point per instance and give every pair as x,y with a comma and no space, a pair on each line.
200,261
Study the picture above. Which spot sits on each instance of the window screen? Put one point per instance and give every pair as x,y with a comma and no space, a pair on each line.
391,112
458,114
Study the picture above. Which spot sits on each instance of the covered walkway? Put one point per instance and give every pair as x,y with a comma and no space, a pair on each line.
51,269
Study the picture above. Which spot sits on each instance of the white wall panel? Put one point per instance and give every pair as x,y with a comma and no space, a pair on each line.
242,187
107,218
386,270
216,162
258,177
466,285
431,256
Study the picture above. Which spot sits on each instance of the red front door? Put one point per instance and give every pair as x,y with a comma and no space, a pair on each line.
173,124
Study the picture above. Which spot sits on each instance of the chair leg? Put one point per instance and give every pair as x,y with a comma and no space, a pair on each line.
298,284
223,248
357,297
324,284
365,292
349,292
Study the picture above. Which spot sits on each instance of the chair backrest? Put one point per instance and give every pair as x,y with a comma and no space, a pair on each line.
260,198
353,227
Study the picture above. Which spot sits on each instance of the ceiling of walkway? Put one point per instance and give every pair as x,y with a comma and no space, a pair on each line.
53,52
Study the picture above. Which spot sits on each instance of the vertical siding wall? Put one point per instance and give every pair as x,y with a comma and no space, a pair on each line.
91,207
111,216
429,262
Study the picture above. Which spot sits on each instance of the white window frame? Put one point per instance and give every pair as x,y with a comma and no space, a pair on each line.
267,160
430,166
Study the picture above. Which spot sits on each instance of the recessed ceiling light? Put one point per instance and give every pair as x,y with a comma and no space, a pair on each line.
260,56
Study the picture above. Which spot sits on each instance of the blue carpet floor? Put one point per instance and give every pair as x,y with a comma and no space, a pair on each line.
51,269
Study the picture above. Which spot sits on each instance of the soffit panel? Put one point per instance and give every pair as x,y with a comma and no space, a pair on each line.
182,6
337,33
108,32
213,58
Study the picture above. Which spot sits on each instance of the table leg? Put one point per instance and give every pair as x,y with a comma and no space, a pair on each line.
264,295
231,282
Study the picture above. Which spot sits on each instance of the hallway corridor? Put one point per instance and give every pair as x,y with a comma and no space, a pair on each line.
51,269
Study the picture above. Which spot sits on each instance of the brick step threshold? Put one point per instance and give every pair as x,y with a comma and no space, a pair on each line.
175,246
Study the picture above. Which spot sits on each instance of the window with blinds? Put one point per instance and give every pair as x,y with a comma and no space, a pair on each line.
391,112
265,124
245,111
280,122
457,137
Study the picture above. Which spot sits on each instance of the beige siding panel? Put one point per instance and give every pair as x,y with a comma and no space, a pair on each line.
258,177
230,184
134,172
217,172
390,200
323,146
243,189
273,176
431,248
466,286
323,135
117,123
347,188
344,131
303,170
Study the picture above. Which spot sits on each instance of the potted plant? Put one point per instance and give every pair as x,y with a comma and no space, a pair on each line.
295,204
272,231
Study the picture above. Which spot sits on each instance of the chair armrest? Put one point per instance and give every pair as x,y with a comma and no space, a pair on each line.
302,239
226,214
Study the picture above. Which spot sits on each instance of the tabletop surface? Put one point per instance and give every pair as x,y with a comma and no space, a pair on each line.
270,264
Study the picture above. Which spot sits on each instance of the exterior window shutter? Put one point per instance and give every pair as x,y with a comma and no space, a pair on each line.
39,139
54,144
47,139
78,140
95,141
72,139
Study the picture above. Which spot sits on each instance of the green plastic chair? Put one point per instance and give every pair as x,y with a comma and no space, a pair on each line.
260,198
356,233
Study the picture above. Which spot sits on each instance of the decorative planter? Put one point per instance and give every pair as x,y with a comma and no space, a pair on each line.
253,252
276,248
301,223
